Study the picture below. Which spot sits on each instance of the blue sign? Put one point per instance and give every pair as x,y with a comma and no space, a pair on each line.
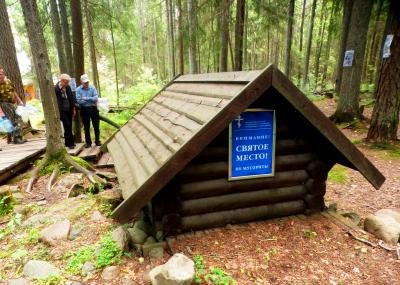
252,145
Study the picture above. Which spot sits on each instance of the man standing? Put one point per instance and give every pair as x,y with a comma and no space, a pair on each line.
66,107
86,96
8,100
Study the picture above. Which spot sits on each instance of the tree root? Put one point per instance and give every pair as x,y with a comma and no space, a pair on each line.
90,174
35,174
52,178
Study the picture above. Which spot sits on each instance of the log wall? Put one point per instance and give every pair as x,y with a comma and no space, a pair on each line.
201,195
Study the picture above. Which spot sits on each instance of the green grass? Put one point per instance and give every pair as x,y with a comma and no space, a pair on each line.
391,150
338,174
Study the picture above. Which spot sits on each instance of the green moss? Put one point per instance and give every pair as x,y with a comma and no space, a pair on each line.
338,174
6,204
81,162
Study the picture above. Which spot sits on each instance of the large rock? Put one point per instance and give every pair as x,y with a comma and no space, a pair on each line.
121,238
179,270
144,226
40,269
385,225
87,267
55,232
111,197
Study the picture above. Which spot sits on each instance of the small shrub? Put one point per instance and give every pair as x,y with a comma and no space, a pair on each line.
78,258
109,252
309,234
6,204
216,276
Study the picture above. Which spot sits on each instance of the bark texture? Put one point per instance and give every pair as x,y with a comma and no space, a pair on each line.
385,116
8,54
224,35
309,43
289,34
43,71
55,23
348,106
192,22
66,36
239,33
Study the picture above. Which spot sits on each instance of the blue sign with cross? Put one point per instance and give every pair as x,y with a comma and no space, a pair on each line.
252,144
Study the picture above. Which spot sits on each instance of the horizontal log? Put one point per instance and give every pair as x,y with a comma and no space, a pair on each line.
216,219
242,200
214,170
215,153
218,187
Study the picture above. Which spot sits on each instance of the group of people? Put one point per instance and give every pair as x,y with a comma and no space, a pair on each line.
84,100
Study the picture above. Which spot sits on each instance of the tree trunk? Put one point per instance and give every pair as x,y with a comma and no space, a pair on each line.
289,33
79,62
157,48
192,23
303,12
239,32
92,47
309,43
348,106
347,10
66,37
385,116
8,54
41,62
224,36
114,53
55,23
180,35
171,38
321,34
142,31
376,39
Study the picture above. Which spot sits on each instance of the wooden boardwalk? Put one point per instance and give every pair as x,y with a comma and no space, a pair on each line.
15,157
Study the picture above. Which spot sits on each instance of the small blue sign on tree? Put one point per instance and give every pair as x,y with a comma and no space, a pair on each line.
252,145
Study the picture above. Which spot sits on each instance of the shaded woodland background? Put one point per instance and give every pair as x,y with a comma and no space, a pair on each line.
131,48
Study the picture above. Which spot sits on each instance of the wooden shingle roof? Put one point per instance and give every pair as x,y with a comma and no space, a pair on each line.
171,129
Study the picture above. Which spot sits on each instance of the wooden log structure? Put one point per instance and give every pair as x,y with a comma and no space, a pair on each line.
174,152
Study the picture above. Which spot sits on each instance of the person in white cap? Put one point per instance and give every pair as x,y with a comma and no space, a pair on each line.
86,96
66,107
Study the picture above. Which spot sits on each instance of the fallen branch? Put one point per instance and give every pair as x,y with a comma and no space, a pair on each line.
361,239
380,244
396,249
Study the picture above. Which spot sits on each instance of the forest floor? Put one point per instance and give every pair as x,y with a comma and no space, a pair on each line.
292,250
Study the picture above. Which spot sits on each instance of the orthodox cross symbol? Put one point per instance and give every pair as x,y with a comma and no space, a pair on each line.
239,121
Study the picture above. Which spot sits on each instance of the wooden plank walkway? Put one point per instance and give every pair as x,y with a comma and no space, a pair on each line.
14,158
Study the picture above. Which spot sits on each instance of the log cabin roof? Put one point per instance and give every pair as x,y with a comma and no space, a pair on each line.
187,114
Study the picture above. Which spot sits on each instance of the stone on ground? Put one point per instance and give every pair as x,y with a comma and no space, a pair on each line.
76,231
126,281
179,270
55,232
144,226
121,238
88,267
110,273
97,217
385,225
111,197
40,269
19,281
148,247
150,240
137,235
156,253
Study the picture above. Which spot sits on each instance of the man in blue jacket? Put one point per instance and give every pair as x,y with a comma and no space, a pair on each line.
86,96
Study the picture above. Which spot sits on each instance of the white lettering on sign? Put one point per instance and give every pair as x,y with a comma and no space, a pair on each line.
252,147
254,156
